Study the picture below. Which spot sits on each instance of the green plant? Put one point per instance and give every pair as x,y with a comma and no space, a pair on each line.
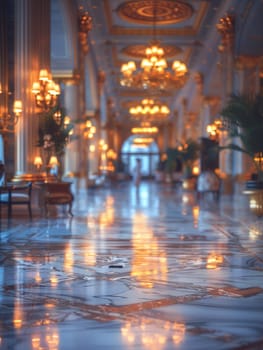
53,132
185,154
119,165
244,116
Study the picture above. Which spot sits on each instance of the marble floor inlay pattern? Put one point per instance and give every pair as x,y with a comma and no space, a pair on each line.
146,269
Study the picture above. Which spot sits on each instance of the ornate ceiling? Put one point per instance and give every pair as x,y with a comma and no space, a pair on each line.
186,30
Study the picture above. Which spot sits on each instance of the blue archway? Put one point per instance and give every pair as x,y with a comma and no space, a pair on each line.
147,151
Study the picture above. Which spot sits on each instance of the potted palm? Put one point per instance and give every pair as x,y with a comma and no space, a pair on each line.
184,156
53,135
244,116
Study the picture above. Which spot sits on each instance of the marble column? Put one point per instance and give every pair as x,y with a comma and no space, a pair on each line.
71,103
226,28
246,81
32,52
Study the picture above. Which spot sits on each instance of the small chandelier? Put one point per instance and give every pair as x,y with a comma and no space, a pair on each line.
150,109
46,91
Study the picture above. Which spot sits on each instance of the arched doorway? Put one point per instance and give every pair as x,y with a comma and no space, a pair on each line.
143,147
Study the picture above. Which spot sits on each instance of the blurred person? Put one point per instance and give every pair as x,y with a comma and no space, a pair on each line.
137,172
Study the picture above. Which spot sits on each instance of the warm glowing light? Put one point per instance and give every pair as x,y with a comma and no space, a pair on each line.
18,315
66,120
154,72
88,129
214,261
92,148
53,161
145,130
107,217
149,109
8,119
38,278
195,170
111,154
152,334
46,91
214,129
53,279
140,140
38,161
53,340
196,213
68,258
147,254
18,107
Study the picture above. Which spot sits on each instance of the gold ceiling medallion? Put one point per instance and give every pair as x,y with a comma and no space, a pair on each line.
167,11
138,51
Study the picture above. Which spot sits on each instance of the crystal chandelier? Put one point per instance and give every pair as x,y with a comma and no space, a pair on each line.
150,110
154,72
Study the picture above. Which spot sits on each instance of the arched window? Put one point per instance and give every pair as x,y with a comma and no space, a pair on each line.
143,147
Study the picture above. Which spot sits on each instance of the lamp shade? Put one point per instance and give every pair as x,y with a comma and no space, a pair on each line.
44,75
53,161
38,161
18,107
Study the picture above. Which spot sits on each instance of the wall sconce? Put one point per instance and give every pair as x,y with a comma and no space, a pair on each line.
214,129
46,91
89,130
38,162
8,119
92,148
103,146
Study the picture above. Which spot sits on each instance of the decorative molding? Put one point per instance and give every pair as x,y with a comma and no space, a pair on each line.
211,100
248,62
85,26
226,28
143,12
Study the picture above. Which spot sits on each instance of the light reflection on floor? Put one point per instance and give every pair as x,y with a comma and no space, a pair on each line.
145,269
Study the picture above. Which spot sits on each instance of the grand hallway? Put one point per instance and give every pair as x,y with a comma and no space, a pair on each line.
148,270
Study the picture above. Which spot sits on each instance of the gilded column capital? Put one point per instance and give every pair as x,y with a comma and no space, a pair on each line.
71,81
199,80
68,77
101,80
248,62
211,100
85,26
184,102
226,28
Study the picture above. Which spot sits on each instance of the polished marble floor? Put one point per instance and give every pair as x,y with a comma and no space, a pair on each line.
146,269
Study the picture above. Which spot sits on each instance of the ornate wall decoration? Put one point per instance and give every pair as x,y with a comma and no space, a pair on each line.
226,28
167,11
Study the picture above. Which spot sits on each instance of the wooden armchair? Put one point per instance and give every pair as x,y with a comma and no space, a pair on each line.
58,193
16,194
